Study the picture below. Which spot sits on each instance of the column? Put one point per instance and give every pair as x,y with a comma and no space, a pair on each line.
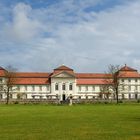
74,88
53,88
60,90
67,88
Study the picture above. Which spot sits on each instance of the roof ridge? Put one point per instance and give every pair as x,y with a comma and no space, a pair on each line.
127,68
1,68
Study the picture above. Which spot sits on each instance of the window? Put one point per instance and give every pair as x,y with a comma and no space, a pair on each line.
136,80
56,86
10,96
0,80
129,88
123,88
1,88
25,88
0,96
136,96
86,96
86,88
70,86
122,80
33,88
136,87
129,80
93,88
10,88
63,87
122,96
79,88
47,87
18,88
40,88
129,96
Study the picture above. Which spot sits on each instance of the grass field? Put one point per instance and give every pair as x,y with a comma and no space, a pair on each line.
80,122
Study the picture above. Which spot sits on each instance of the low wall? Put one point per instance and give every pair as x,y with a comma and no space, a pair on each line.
56,101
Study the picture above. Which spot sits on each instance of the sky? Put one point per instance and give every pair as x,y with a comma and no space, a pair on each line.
86,35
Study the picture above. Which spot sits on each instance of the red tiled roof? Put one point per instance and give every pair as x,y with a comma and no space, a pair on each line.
92,82
129,74
92,75
31,81
82,78
2,73
32,74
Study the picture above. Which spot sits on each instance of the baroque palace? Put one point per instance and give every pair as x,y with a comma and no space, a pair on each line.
63,82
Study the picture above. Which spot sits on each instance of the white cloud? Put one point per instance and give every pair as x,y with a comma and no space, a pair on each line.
23,27
107,37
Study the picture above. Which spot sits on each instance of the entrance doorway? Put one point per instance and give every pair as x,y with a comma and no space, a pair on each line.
63,97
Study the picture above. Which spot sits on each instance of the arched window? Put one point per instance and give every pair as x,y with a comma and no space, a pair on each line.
70,86
56,86
63,87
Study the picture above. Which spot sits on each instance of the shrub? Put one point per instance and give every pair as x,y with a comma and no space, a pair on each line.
138,101
16,102
120,101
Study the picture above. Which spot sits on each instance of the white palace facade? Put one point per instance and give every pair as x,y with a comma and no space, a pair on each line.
63,82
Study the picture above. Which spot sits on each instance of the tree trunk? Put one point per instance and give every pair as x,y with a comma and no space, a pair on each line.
117,98
7,99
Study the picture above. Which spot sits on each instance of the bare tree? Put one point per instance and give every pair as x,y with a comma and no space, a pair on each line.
10,74
105,90
113,70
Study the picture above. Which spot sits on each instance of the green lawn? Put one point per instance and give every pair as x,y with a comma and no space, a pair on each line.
80,122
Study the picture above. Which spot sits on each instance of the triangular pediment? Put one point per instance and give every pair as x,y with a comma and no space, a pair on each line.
63,68
63,74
